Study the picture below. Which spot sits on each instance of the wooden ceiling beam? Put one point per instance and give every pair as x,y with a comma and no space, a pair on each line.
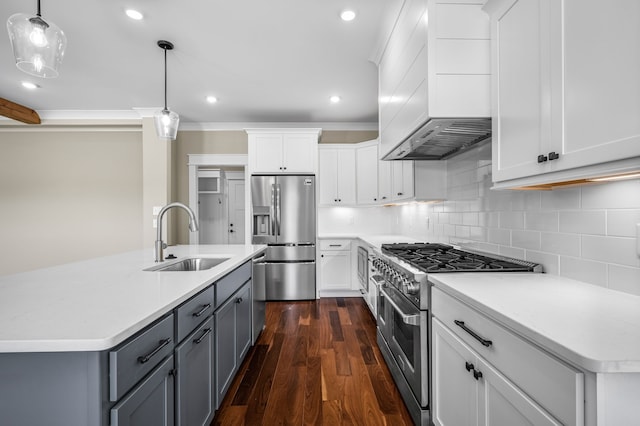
18,112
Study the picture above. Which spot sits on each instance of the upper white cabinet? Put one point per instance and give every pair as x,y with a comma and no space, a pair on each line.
337,175
565,97
283,150
373,178
402,180
435,64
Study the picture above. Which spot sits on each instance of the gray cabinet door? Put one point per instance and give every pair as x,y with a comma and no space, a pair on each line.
243,321
225,337
195,393
150,403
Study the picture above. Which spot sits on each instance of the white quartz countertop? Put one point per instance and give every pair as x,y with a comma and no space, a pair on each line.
96,304
592,327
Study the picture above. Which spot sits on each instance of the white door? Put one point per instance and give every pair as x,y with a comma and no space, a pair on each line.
212,217
236,211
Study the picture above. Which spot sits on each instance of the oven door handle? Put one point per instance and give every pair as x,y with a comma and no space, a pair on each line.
406,318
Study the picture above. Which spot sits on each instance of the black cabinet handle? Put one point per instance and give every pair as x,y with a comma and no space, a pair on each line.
477,374
553,156
201,338
542,158
384,198
239,300
399,193
375,199
161,344
473,334
468,366
202,311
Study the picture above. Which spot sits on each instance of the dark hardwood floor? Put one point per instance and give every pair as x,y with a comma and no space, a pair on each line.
317,362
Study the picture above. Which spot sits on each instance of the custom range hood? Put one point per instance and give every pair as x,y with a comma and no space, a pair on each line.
442,138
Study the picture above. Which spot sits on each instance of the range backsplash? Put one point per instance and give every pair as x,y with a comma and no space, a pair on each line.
586,232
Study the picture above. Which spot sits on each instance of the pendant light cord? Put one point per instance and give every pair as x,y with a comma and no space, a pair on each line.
38,13
165,79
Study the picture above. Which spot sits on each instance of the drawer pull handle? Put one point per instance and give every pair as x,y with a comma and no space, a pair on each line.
468,366
201,338
335,245
202,311
161,344
484,342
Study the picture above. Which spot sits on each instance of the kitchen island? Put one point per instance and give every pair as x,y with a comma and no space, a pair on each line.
84,343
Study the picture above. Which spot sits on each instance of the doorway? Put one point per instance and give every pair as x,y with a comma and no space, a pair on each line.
218,196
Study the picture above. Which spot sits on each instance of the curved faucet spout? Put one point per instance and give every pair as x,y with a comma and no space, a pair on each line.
160,245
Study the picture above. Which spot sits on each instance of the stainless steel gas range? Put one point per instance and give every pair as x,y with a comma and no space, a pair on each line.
403,317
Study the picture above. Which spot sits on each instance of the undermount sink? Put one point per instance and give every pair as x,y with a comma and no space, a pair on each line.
190,264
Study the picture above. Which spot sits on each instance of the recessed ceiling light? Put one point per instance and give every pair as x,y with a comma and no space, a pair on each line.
348,15
29,85
212,99
335,99
134,14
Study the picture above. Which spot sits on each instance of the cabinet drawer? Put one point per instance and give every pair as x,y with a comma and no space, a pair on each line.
554,385
138,356
193,312
228,285
335,245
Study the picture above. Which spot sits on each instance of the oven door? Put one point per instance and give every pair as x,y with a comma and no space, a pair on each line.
363,269
406,334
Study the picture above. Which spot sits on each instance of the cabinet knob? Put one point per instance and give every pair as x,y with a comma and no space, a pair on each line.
477,374
239,300
384,198
468,366
399,193
553,156
335,200
339,200
542,158
375,199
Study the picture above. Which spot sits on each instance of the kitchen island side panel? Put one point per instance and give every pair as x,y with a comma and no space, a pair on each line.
54,389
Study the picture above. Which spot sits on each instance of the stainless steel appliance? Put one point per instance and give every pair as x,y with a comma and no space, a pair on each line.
284,218
404,303
363,270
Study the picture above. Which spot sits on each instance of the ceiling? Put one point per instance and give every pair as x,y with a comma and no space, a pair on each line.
265,60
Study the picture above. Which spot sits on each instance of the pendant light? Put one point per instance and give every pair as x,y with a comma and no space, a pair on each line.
166,121
38,45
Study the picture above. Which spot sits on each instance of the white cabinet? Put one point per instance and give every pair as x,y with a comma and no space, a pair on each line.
279,151
402,180
483,374
469,391
558,114
435,64
337,175
335,267
367,180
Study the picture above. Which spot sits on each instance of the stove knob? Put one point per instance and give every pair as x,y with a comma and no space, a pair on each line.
411,287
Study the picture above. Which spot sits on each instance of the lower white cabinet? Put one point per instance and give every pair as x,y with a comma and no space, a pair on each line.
335,266
484,374
233,328
469,391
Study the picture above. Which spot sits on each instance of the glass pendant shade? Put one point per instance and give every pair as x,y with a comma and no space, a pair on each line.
166,124
38,45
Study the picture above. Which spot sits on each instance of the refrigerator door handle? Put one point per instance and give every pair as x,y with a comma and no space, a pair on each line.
278,208
272,211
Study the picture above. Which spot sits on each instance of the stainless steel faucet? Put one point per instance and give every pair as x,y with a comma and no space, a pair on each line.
160,245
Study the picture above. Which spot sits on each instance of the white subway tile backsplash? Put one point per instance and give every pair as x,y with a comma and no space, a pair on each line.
612,195
584,270
525,239
622,223
512,220
560,199
617,250
582,232
566,244
542,221
624,279
592,222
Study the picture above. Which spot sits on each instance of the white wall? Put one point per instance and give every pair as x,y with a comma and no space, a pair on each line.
584,232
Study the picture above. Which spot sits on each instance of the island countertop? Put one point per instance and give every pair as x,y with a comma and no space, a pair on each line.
94,305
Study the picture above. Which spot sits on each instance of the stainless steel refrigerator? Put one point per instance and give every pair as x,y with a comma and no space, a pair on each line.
284,218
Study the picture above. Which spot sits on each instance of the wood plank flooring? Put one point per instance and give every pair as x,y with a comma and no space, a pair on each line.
316,363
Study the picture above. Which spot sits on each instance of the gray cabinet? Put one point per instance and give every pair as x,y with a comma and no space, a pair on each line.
233,337
195,392
149,403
